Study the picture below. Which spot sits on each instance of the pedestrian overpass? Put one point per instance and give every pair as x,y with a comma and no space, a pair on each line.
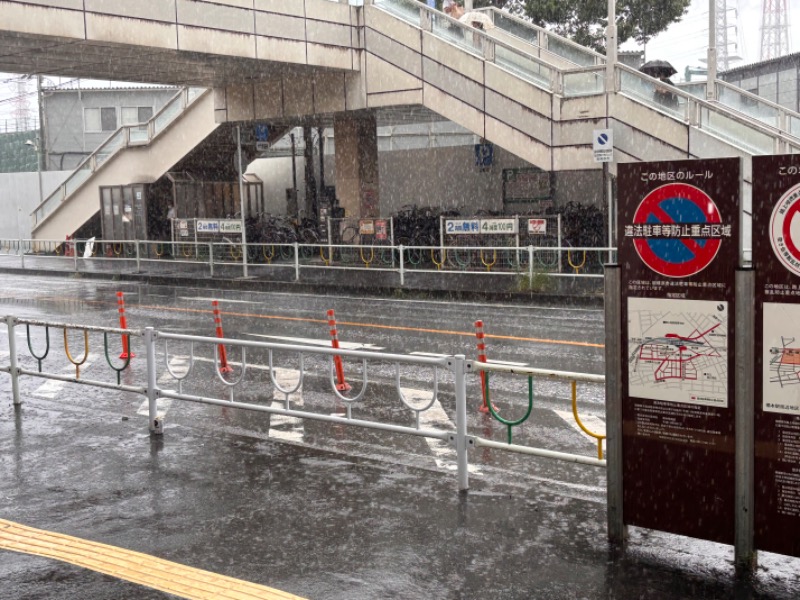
533,93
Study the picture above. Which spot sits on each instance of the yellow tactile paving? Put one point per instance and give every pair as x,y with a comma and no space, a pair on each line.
142,569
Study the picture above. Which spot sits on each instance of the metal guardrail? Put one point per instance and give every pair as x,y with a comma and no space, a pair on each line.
457,365
749,134
532,264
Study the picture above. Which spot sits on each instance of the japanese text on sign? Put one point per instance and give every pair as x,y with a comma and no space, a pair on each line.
684,230
679,175
498,226
537,226
459,226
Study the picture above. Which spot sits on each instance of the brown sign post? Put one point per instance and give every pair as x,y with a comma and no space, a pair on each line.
678,254
776,258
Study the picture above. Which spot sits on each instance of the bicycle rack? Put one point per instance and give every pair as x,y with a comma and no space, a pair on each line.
506,422
596,436
108,358
230,384
284,391
574,266
443,256
371,256
405,401
348,401
85,353
30,346
494,259
174,375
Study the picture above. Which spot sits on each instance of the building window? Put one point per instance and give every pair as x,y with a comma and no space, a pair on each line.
100,119
133,115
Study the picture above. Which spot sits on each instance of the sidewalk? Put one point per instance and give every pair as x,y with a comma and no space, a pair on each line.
321,525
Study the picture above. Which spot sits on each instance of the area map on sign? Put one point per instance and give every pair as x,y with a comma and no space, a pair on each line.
781,358
678,350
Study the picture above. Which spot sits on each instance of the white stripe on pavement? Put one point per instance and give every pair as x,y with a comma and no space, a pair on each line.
282,427
436,418
319,342
52,387
490,361
592,423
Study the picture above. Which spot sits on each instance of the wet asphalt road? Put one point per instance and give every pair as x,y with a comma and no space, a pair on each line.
321,510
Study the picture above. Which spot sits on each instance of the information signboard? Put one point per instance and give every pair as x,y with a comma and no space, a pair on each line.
776,259
461,226
678,249
537,226
499,226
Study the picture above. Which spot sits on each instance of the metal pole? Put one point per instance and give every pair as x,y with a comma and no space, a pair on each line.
391,237
611,46
711,78
241,200
402,264
330,242
530,263
296,262
609,203
294,176
459,364
22,255
211,259
75,254
558,252
155,425
745,555
12,357
617,532
138,258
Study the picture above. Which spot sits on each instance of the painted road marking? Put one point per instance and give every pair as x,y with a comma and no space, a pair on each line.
142,569
490,361
179,364
470,334
282,427
436,418
225,300
52,387
319,342
592,423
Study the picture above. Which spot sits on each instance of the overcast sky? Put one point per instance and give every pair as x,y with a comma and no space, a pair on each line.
686,42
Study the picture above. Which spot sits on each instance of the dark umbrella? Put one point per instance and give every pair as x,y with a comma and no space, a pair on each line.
658,69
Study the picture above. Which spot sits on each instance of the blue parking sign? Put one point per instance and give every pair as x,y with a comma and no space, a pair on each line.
262,132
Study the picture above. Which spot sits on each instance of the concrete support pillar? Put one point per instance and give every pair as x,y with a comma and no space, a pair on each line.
356,138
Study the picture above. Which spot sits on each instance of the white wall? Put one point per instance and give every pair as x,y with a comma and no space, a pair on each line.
438,177
19,196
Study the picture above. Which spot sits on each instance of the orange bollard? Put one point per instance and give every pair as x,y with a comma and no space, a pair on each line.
484,408
223,356
341,384
123,324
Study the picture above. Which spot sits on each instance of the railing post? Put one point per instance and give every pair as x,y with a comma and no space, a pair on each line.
558,252
12,357
530,263
402,267
211,259
745,555
296,262
330,241
459,364
155,424
75,253
22,253
614,483
138,258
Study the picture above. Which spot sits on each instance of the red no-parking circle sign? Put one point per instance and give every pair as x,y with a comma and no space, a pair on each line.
681,228
784,230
